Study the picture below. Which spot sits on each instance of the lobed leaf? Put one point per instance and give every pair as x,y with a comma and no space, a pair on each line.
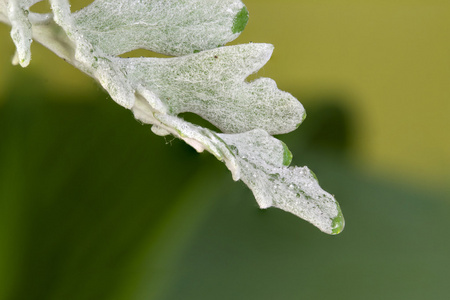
262,162
169,27
212,85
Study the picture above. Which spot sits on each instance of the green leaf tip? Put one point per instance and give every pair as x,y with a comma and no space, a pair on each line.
338,222
287,155
240,20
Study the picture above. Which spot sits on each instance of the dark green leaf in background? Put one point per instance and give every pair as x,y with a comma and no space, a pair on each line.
94,206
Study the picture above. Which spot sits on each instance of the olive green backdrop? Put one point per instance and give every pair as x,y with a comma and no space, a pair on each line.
94,206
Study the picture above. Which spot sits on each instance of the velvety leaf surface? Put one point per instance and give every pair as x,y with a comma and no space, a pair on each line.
212,85
169,27
294,189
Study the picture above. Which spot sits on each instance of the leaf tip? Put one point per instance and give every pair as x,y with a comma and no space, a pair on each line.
338,223
287,155
302,119
240,20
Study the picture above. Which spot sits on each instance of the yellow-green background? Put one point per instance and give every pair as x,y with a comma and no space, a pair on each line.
392,58
94,206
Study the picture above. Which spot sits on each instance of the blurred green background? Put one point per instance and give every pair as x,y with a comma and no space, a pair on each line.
94,206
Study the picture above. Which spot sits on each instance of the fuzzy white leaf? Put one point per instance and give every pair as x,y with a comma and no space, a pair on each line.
263,163
169,27
212,85
21,32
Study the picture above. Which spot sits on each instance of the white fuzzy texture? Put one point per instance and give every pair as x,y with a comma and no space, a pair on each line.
21,33
169,27
261,159
210,83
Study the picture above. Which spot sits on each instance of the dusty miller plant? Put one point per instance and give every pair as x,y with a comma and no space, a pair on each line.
204,77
